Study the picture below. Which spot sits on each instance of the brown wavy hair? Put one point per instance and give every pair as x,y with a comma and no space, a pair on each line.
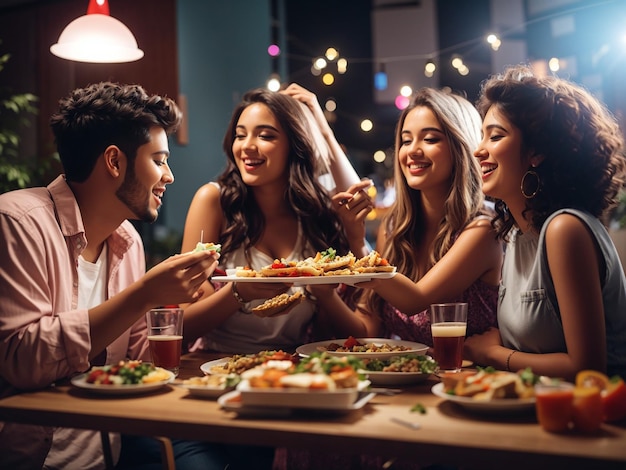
304,194
582,144
404,222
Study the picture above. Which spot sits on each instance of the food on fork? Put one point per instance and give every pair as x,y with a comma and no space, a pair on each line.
278,304
208,247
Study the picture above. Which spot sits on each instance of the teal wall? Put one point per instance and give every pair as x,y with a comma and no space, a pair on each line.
222,53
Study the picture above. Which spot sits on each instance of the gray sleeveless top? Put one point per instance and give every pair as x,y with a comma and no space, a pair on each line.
528,313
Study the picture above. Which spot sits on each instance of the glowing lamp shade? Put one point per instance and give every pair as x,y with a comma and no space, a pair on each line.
97,38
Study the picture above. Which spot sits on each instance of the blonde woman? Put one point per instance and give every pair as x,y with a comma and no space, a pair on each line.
437,232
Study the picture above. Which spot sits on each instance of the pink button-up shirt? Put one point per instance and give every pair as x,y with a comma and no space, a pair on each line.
43,336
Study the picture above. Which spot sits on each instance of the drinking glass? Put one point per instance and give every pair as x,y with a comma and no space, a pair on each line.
448,323
165,336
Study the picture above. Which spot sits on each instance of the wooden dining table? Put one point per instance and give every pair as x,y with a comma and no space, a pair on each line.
388,425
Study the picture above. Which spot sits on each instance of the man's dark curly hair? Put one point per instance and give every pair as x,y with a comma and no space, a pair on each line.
580,140
92,118
304,194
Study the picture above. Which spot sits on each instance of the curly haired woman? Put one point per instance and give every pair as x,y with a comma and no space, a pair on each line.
552,157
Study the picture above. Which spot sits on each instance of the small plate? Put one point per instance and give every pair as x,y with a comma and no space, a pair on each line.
207,366
394,378
350,279
487,406
80,381
231,401
205,391
414,348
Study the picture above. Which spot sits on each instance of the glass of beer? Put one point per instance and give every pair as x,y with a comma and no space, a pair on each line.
448,324
165,336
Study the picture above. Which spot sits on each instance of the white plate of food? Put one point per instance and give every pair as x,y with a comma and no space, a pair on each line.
80,381
399,370
233,401
488,406
338,399
239,363
349,279
216,367
375,348
209,386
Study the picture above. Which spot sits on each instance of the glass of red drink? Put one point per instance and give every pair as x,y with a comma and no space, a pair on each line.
165,336
448,324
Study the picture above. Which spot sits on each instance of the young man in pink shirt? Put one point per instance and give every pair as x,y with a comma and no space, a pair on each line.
72,268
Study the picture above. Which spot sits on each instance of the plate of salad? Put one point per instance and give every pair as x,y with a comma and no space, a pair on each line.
123,378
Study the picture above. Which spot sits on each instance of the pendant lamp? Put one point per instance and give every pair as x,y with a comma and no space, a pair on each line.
97,37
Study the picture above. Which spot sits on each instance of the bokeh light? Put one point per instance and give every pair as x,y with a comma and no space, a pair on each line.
402,101
328,79
342,65
273,50
273,84
380,80
367,125
320,63
406,90
554,64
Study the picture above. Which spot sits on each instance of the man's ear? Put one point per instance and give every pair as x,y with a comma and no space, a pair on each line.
113,160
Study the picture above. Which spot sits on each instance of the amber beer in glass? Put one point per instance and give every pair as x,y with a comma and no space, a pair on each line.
448,328
165,336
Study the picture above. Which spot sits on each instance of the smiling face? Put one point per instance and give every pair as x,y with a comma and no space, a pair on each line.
501,158
260,147
144,182
424,154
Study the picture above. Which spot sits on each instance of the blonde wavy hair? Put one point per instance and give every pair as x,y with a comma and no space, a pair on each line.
461,124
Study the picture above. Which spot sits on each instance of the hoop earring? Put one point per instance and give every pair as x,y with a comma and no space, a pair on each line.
526,183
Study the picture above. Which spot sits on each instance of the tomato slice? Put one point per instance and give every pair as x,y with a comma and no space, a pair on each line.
350,342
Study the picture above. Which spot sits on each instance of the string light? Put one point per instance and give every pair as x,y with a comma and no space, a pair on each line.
554,64
429,69
273,50
273,84
367,125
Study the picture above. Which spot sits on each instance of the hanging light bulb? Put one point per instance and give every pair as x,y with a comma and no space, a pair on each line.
97,37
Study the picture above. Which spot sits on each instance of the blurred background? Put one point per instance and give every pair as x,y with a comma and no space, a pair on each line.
362,58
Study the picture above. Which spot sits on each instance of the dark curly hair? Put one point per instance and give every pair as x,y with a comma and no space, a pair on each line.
92,118
304,194
580,140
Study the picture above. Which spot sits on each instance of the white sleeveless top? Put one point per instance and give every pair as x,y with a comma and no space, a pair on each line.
245,333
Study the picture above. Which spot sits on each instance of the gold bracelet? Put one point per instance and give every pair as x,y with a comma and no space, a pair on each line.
508,360
236,294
